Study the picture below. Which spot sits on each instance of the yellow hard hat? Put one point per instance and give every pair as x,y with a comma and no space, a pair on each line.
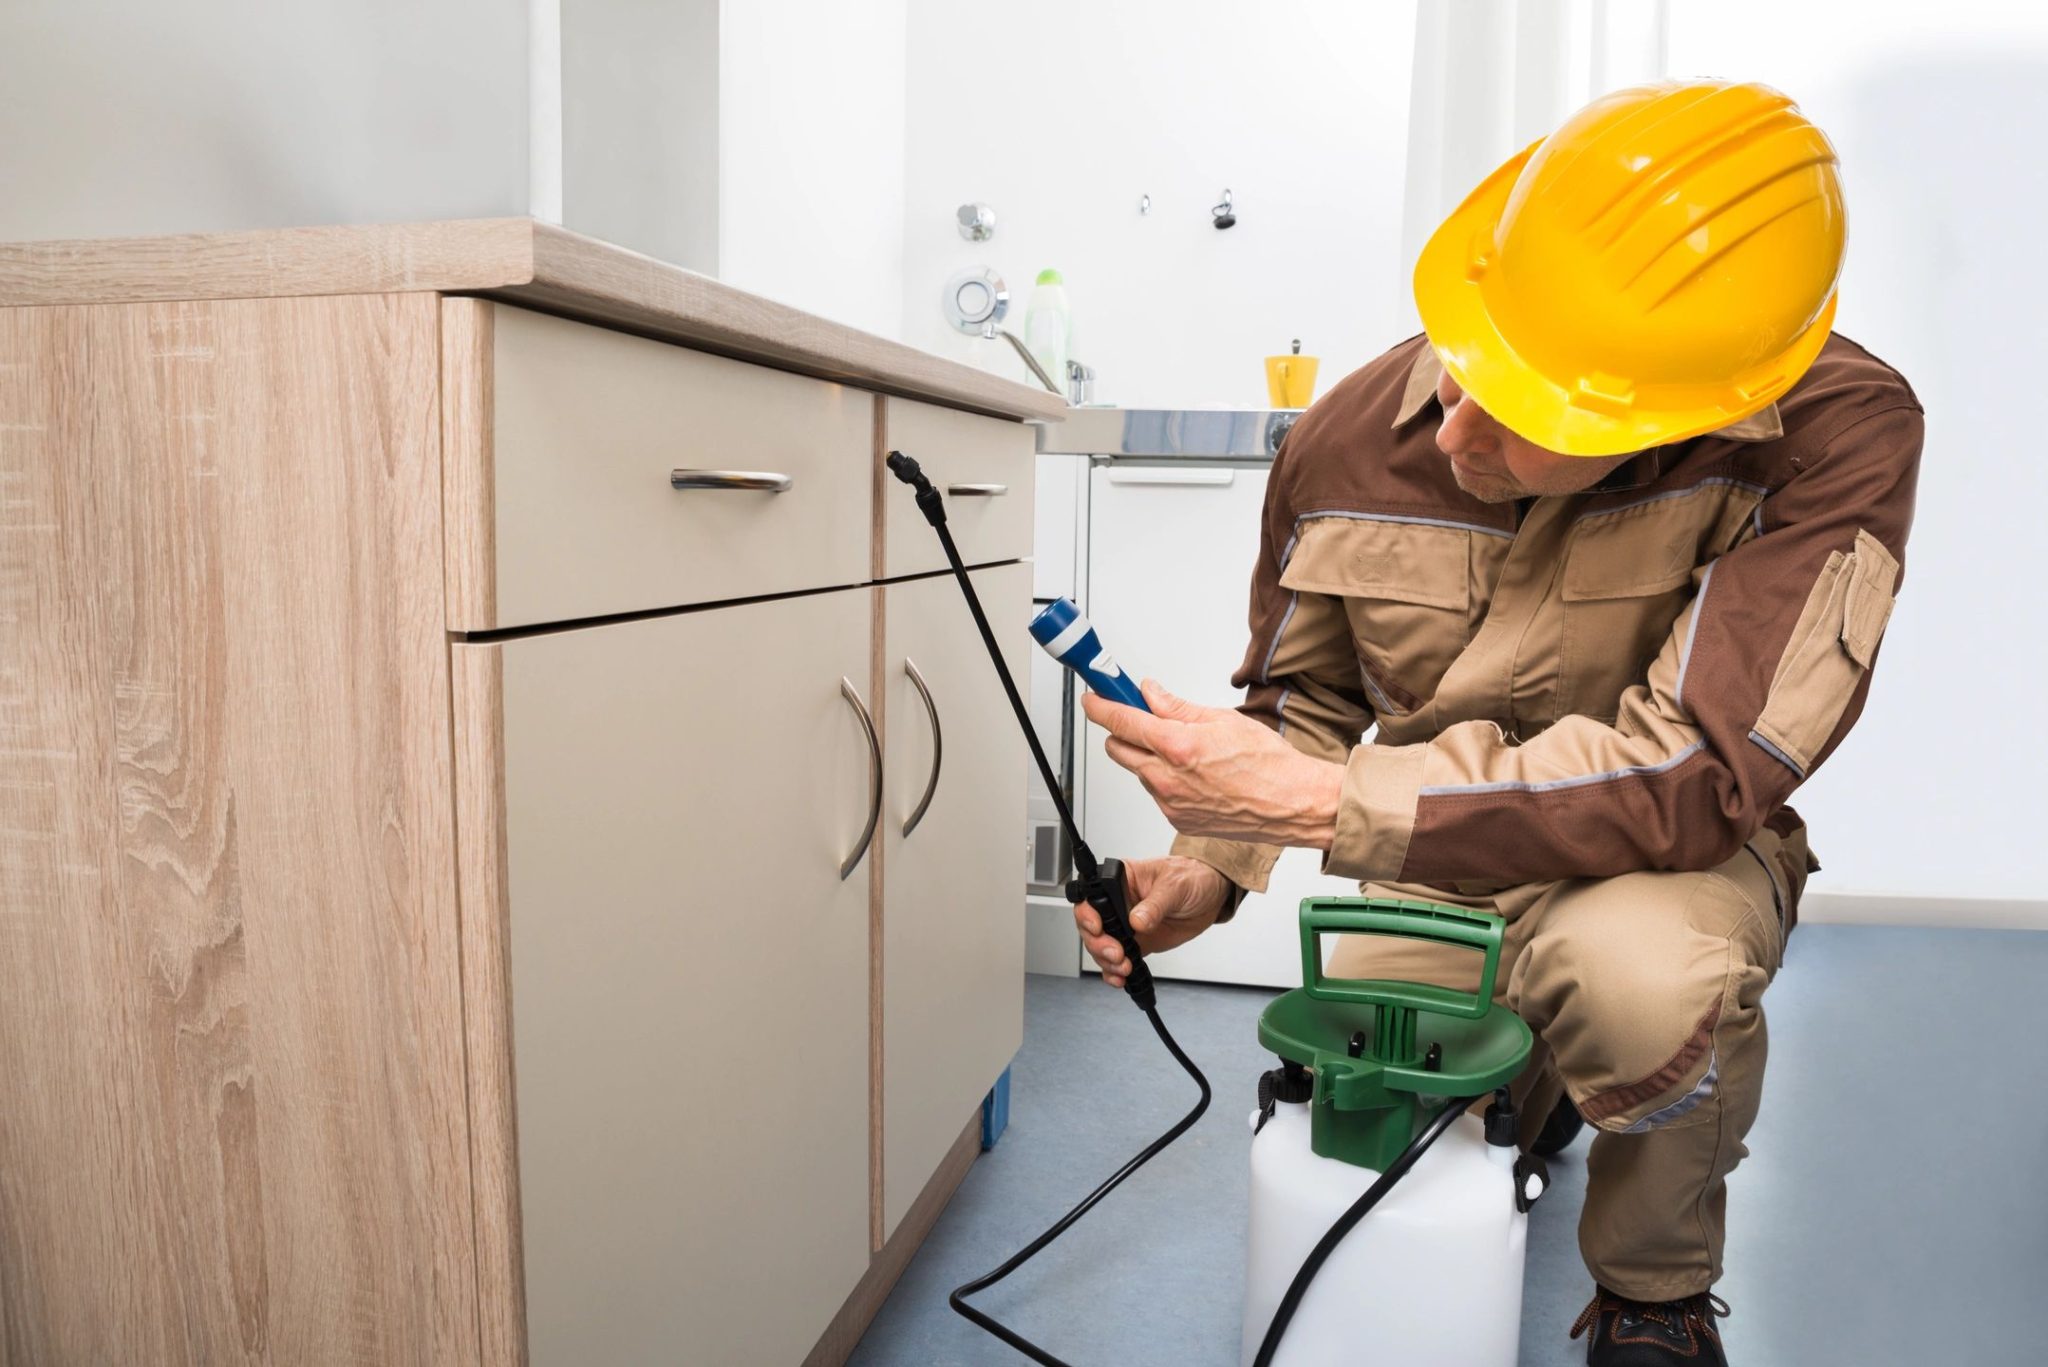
1662,265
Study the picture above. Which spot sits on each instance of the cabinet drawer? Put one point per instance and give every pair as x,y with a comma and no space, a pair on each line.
984,465
558,443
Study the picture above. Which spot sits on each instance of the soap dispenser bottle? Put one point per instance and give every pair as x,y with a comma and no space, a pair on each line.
1048,327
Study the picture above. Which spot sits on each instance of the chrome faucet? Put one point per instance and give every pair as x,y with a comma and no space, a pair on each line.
1080,384
976,303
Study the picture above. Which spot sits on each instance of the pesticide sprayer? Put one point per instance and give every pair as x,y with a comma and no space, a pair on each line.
1373,1074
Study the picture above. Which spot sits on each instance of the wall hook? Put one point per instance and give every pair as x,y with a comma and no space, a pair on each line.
1225,215
1144,204
977,222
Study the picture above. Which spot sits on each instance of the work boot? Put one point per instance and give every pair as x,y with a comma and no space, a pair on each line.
1630,1333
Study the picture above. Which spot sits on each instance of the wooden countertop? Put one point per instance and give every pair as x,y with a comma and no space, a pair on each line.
520,260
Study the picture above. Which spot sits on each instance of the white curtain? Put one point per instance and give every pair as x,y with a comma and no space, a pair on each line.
1492,76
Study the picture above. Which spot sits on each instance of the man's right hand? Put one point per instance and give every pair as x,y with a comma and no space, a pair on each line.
1172,901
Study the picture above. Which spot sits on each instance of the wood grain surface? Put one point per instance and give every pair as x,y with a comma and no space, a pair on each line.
469,461
506,258
451,257
231,1064
477,675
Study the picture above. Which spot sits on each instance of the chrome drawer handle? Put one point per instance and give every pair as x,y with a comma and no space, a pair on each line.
867,726
765,480
977,490
1172,475
931,710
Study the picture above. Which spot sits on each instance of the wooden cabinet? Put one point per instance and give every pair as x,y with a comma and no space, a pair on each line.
952,906
430,934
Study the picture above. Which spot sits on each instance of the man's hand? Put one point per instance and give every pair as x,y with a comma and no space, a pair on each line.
1172,901
1216,772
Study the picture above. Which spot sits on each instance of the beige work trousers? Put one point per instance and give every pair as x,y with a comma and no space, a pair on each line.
1645,992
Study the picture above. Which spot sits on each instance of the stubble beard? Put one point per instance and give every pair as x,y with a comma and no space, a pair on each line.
1487,488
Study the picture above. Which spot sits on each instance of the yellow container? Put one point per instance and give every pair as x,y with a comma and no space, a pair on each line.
1291,380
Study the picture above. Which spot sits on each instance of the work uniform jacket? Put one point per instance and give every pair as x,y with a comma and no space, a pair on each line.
1633,677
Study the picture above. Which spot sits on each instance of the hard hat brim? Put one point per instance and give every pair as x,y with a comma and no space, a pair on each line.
1558,412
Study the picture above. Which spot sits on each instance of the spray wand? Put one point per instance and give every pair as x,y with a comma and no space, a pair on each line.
1100,882
1069,637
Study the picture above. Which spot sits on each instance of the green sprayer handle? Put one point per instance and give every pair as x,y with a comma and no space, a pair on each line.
1426,921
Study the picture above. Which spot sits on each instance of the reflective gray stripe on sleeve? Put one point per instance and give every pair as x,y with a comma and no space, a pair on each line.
1575,781
1779,755
1699,606
1266,669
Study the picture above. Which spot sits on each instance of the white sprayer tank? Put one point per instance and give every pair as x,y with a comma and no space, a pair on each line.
1431,1277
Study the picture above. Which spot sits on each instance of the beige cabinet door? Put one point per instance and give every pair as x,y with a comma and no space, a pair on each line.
689,980
953,888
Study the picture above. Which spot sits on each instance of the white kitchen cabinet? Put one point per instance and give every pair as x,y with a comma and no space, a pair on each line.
1170,556
690,978
952,927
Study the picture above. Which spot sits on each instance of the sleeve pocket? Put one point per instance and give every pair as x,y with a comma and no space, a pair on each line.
1832,648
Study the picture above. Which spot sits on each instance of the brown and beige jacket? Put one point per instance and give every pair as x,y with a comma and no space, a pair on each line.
1634,677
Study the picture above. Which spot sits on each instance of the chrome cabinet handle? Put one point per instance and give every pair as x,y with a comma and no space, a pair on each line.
931,710
1168,474
977,490
867,726
765,480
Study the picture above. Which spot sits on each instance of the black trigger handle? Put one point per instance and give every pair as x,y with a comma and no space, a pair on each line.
1107,894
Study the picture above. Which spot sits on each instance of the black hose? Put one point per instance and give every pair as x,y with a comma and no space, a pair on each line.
958,1299
1138,987
1313,1264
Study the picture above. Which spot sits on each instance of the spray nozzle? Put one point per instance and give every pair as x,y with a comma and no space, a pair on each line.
1501,1121
928,500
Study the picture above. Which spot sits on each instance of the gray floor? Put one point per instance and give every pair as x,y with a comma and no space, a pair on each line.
1894,1210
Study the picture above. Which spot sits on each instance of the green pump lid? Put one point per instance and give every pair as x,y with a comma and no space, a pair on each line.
1049,276
1368,1040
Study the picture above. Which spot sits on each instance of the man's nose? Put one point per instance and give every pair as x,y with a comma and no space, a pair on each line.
1466,431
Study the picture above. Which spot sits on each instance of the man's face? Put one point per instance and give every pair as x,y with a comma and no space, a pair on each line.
1495,466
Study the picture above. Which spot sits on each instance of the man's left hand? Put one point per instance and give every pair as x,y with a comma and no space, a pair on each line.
1216,772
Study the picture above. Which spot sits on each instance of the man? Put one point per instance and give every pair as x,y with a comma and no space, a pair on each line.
1606,557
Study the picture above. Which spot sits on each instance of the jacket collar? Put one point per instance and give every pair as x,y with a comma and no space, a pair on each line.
1764,425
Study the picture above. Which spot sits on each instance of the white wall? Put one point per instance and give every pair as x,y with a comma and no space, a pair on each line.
639,120
1938,113
811,145
134,117
1061,113
1492,76
123,117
